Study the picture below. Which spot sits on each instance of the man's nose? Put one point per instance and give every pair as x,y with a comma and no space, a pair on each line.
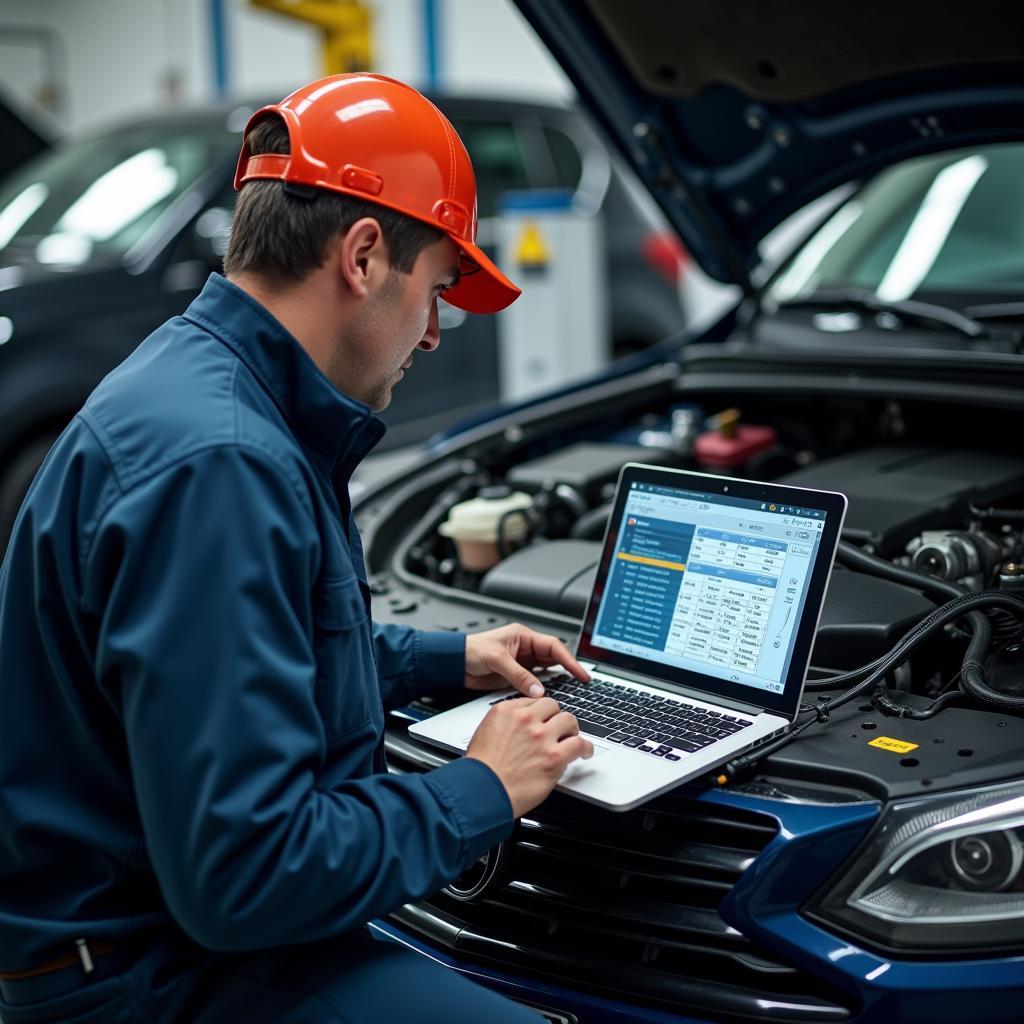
432,338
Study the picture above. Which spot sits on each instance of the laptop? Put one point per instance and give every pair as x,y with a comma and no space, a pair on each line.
697,634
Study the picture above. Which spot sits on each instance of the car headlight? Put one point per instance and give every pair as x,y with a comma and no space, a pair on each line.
942,874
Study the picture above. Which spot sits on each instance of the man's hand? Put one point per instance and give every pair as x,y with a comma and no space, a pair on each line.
502,657
528,744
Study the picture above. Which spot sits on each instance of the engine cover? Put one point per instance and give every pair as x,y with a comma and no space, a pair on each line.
895,493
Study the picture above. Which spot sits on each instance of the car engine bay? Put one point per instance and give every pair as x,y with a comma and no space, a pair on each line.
936,509
656,904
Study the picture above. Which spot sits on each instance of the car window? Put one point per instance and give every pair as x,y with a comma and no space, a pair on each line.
92,199
565,156
939,224
498,161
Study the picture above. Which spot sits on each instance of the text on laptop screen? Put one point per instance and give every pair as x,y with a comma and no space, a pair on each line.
709,583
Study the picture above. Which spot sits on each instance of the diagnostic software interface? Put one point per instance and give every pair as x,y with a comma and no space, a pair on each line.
709,583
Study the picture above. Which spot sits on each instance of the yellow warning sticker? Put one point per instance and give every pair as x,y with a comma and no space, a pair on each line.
896,746
532,250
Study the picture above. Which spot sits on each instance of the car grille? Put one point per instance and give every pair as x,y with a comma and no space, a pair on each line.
621,904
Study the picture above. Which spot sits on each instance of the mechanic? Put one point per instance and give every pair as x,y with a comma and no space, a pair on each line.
196,821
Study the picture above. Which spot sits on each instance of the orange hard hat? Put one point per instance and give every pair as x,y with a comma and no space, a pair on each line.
380,140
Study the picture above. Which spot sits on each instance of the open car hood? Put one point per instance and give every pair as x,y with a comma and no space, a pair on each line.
737,113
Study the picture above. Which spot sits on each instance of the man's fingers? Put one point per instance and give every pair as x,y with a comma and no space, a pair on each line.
541,708
578,746
547,708
569,733
565,724
506,666
553,650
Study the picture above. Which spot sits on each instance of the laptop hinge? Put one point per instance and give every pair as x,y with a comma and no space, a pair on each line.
683,691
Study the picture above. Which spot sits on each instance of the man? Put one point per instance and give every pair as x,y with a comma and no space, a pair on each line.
196,821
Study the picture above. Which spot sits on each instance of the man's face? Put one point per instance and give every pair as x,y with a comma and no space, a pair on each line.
399,318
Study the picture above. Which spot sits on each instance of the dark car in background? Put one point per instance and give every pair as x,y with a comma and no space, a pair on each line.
25,133
105,237
870,868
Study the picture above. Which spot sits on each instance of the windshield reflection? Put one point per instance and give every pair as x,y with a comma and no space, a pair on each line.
92,199
949,226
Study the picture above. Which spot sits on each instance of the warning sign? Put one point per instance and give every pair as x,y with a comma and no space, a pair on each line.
531,249
896,746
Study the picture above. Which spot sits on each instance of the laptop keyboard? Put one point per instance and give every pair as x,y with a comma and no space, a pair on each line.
655,724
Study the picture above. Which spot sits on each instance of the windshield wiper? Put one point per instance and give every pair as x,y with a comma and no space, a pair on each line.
927,313
997,311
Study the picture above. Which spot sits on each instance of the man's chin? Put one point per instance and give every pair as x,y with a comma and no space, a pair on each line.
382,399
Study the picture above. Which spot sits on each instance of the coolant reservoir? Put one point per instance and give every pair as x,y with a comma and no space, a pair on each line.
474,525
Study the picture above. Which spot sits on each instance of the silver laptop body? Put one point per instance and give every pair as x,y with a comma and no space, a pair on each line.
698,631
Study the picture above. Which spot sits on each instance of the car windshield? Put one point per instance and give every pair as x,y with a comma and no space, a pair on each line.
90,200
947,228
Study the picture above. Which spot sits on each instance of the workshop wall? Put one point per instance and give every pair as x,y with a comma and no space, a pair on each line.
93,61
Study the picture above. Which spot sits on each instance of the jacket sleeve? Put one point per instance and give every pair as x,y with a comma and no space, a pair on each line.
200,580
414,663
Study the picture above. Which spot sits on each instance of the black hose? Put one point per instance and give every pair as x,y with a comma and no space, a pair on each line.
973,673
891,707
591,525
965,604
1005,514
854,558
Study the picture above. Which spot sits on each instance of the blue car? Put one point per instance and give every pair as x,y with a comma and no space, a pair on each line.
872,868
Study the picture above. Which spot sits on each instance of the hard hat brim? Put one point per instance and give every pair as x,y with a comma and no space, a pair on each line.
482,288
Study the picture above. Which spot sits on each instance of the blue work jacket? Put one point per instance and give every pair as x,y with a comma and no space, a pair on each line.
191,686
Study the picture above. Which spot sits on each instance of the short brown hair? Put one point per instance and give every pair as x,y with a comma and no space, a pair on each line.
284,235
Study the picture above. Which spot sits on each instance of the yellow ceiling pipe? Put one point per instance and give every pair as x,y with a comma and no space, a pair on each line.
345,25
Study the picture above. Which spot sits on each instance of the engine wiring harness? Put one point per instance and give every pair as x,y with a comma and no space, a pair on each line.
990,620
971,680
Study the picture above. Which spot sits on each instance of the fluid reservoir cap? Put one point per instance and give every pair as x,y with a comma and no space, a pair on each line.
1011,576
493,491
726,422
478,518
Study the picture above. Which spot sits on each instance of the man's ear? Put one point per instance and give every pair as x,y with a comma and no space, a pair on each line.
362,257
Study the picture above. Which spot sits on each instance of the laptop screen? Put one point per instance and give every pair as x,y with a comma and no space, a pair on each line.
706,582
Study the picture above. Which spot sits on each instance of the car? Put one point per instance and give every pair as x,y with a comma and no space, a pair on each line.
871,867
103,238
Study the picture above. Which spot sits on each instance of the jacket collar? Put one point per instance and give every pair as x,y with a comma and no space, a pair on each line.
337,430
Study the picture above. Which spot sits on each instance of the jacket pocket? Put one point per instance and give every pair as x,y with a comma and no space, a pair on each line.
347,690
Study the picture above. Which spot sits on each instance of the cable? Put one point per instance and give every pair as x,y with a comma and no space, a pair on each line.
854,558
891,707
1006,514
973,676
973,671
837,678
